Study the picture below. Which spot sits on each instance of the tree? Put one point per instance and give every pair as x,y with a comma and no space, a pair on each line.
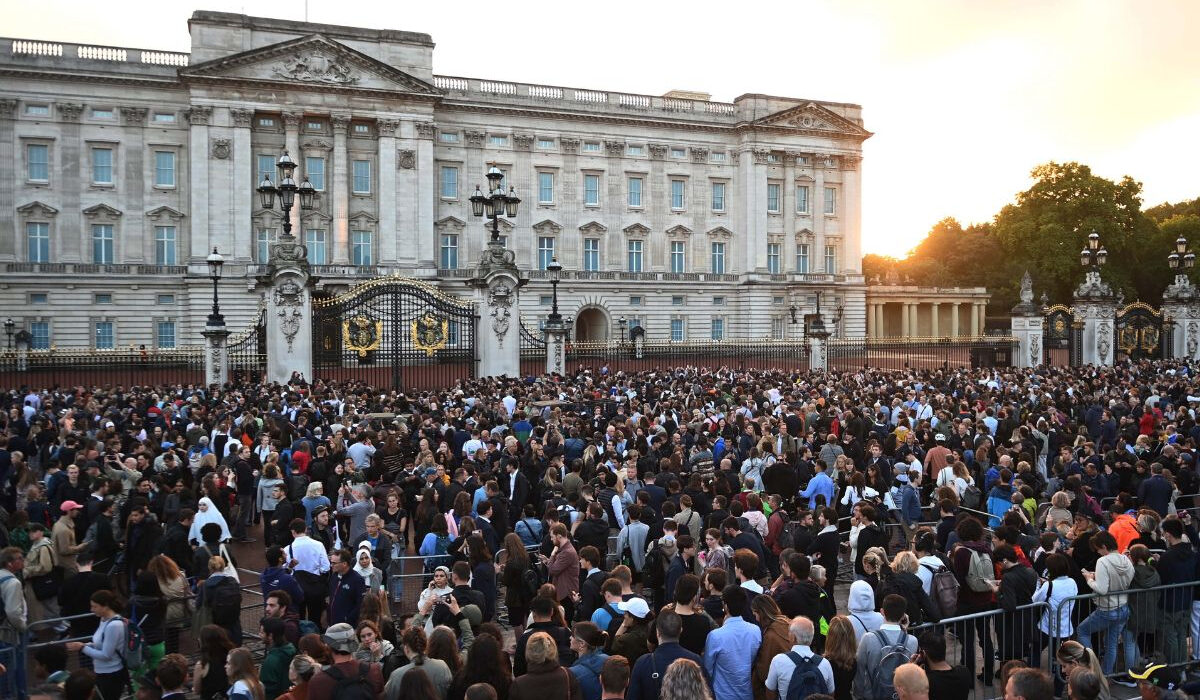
1049,224
1166,210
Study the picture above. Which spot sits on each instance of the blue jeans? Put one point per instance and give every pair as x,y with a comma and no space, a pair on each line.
1112,624
12,684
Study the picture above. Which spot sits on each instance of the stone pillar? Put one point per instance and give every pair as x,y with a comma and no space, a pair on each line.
904,319
954,319
974,319
934,331
388,164
11,246
1180,305
818,357
240,237
1096,308
65,170
851,215
289,312
1026,323
556,344
341,190
872,329
881,320
216,356
914,324
497,283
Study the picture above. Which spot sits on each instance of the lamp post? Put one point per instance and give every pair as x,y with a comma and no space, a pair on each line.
286,191
9,325
495,203
215,264
621,321
1094,256
555,270
1181,256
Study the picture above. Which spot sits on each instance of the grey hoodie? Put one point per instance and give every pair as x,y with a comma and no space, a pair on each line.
1114,572
861,607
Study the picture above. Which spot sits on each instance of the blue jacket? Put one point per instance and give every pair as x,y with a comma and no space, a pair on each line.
345,597
999,502
910,505
821,485
277,578
645,681
587,671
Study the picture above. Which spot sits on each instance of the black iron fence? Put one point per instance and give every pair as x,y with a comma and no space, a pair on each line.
649,355
793,355
533,350
248,352
140,366
922,353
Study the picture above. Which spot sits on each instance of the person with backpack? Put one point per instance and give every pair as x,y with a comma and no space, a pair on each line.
107,648
221,597
346,678
882,651
800,672
971,562
1017,584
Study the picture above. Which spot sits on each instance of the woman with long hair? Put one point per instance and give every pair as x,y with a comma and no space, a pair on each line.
311,646
372,647
415,685
243,676
776,639
1074,656
841,648
375,609
443,645
209,677
485,663
512,575
173,586
300,672
426,515
461,507
715,557
1085,684
395,521
684,680
413,645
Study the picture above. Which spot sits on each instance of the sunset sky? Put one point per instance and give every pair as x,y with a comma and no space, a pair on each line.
964,97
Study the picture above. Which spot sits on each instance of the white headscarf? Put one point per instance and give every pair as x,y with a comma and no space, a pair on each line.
365,571
212,515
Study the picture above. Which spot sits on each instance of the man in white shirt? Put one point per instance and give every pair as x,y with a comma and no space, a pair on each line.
473,445
309,562
361,452
782,666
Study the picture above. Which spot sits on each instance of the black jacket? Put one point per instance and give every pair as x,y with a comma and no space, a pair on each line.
590,597
174,544
870,536
281,530
1017,585
825,547
920,607
594,532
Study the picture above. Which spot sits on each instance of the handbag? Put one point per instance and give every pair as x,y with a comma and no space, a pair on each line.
47,586
230,570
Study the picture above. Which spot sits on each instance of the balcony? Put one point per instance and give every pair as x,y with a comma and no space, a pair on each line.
93,269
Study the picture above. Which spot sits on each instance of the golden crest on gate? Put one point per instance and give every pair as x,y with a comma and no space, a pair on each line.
361,334
430,333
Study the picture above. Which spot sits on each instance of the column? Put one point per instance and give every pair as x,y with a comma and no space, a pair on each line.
10,246
69,225
132,162
881,320
933,320
851,215
872,329
954,319
905,317
915,324
240,238
341,190
198,180
424,194
387,188
291,125
974,319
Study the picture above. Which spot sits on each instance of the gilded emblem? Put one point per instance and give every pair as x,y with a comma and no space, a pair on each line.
362,335
430,333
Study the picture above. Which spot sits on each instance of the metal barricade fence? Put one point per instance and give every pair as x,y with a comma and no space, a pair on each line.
977,640
1158,624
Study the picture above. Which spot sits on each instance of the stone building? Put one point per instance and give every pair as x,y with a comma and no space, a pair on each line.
123,168
903,309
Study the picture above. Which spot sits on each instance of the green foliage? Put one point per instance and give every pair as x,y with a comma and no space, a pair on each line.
1045,229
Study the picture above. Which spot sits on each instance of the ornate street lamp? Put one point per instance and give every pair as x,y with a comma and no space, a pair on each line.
215,263
621,322
1094,255
555,270
9,325
495,203
286,191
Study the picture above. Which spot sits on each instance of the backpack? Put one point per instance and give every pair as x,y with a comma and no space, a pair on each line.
980,572
943,591
806,678
531,580
298,488
893,657
226,603
133,651
972,497
356,687
656,567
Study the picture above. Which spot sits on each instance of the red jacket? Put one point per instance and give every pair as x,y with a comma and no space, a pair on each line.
775,525
564,571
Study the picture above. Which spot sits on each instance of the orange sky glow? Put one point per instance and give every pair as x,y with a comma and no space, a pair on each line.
964,97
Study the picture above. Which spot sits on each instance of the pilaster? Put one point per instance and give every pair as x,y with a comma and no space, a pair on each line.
497,284
9,245
388,195
341,190
66,180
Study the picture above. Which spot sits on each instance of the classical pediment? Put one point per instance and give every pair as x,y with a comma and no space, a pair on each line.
452,224
720,232
679,230
36,208
547,227
164,212
313,60
101,211
593,227
812,117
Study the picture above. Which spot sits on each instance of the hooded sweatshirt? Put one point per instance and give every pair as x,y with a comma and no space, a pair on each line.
1114,572
861,606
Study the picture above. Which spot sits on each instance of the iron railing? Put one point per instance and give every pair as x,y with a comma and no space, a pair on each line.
141,366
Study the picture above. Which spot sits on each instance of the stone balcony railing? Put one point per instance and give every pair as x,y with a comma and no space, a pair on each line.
585,276
580,99
24,50
94,269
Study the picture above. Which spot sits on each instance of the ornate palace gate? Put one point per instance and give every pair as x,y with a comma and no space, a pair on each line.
395,332
1060,346
1139,333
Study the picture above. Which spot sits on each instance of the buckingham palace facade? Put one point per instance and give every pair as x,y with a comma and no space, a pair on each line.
124,168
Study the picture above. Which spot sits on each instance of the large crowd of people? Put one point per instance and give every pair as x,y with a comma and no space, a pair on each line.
685,533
